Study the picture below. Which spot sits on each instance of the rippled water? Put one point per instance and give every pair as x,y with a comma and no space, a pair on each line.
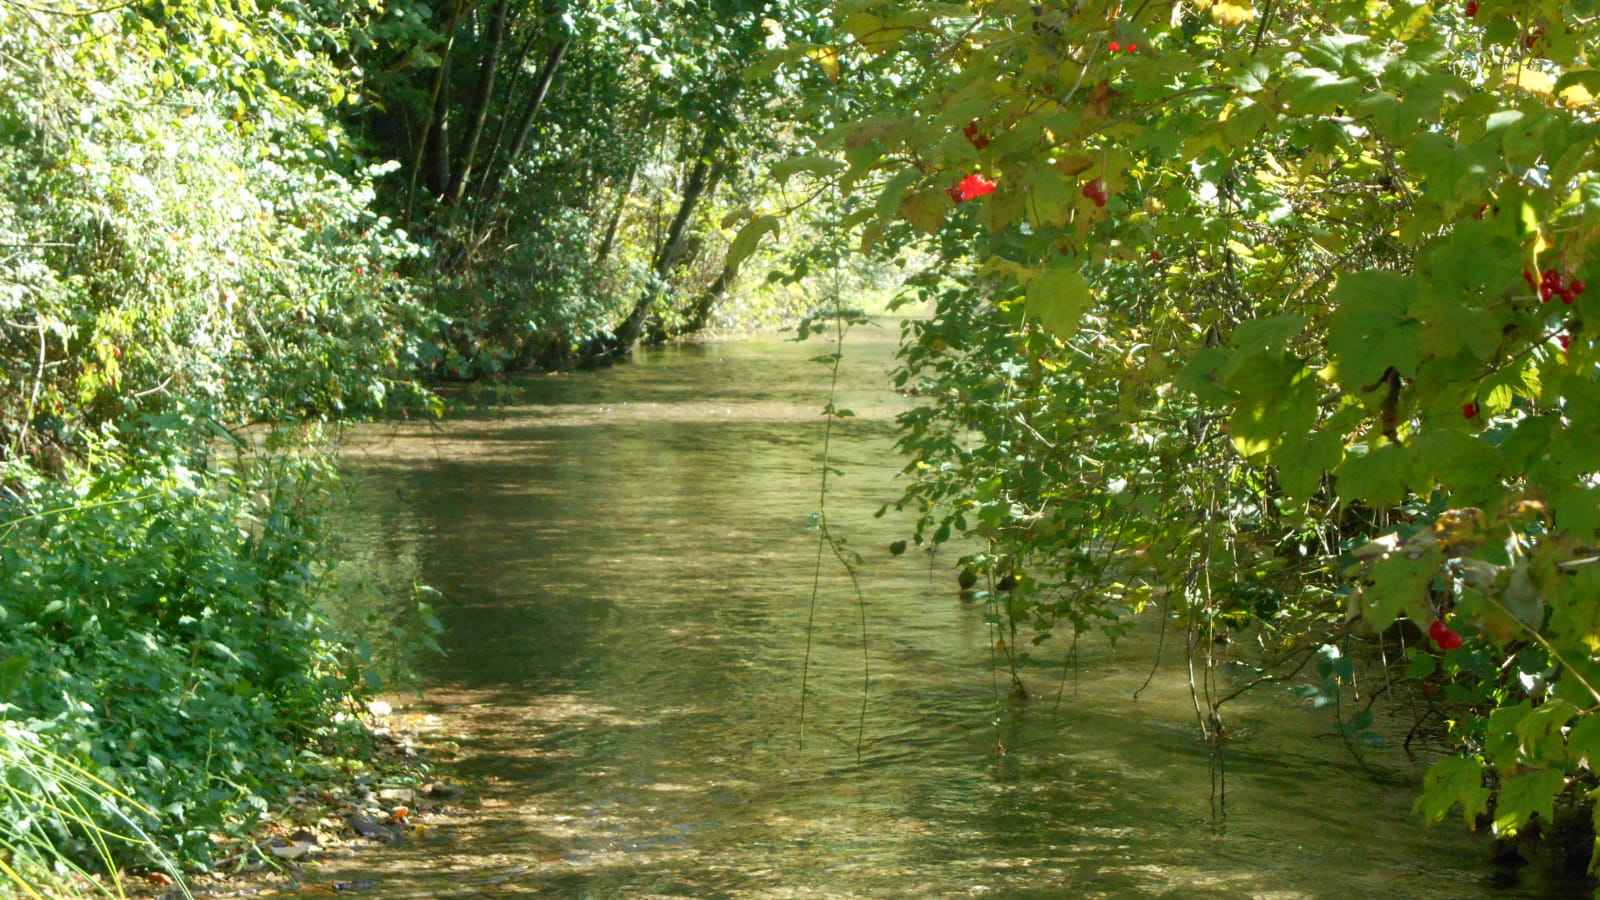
626,559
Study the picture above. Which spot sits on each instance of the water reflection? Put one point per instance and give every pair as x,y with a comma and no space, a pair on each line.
627,562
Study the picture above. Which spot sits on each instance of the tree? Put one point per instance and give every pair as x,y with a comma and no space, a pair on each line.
1230,309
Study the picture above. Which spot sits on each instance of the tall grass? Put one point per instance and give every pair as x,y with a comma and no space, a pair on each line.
50,805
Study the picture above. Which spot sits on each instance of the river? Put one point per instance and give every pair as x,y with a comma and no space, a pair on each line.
626,561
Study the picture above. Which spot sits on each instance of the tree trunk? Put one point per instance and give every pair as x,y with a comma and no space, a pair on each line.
436,172
610,239
700,312
478,115
667,254
501,121
541,89
420,152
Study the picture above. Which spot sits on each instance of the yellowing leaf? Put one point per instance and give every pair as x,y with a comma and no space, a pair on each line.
872,32
1533,81
1228,14
1057,299
828,59
925,209
1074,164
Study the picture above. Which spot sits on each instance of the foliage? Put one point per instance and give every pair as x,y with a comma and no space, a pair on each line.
161,630
587,174
1233,332
186,251
156,250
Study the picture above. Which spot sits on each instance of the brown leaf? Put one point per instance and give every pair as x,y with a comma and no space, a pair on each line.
1100,99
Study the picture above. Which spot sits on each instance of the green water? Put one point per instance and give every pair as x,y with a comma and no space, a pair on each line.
626,561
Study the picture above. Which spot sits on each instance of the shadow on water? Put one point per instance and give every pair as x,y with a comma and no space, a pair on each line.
626,559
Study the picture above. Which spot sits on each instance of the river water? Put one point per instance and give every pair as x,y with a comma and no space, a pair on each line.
627,559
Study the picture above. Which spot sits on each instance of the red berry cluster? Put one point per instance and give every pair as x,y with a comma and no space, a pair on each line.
1472,9
1551,283
1115,47
1565,340
975,134
1095,192
1443,635
970,187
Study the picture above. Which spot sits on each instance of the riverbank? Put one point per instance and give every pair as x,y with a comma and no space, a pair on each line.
398,787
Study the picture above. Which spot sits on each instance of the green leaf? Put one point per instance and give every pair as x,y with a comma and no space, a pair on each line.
1539,732
1058,298
1199,375
1302,464
1465,465
1583,741
1453,173
1527,794
872,32
812,164
1399,585
1269,334
1377,478
1277,401
749,237
1457,780
1371,328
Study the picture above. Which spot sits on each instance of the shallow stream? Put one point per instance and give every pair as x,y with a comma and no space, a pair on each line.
626,559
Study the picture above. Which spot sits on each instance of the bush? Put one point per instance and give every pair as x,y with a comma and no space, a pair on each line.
159,627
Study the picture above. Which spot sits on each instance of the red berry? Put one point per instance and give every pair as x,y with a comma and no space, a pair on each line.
1470,410
1438,629
1114,47
1565,340
975,135
970,187
1132,48
1472,9
1450,640
1577,286
1567,296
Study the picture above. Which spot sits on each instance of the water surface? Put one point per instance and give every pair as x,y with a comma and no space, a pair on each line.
627,561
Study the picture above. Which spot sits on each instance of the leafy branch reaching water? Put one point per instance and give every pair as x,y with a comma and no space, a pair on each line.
837,320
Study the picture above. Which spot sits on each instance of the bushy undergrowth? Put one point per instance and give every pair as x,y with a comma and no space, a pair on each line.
159,629
188,247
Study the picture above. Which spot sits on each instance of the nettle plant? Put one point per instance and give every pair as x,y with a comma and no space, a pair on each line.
1282,308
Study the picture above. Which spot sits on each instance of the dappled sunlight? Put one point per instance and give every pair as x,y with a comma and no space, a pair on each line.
624,660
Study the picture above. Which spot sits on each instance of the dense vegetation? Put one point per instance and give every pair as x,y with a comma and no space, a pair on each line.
1272,314
226,226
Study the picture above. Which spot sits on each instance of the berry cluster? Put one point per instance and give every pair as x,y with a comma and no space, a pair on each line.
1115,47
1472,9
970,187
1095,192
1443,635
1551,283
